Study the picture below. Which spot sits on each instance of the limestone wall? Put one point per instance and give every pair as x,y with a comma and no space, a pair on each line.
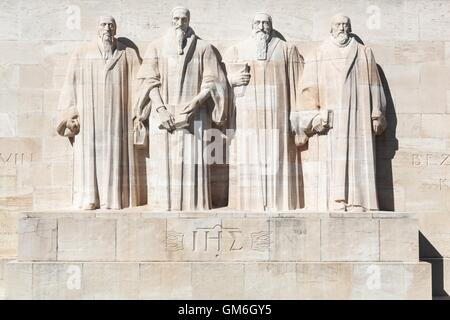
411,42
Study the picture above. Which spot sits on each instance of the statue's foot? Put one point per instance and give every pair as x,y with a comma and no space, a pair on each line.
339,206
356,209
90,206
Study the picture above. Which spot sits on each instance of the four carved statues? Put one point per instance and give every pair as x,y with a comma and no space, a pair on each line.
271,103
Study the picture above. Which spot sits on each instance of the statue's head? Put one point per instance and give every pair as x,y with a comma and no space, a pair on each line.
180,18
262,25
341,27
106,28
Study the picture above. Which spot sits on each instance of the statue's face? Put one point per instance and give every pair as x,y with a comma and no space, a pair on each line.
261,23
106,27
340,27
180,20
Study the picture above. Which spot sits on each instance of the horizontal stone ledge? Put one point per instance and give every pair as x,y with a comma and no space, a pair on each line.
221,212
128,238
203,280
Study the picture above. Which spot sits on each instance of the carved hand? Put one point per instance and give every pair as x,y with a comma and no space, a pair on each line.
318,125
73,125
300,139
190,109
166,118
243,79
377,126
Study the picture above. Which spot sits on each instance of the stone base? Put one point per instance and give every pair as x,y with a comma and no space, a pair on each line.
218,280
220,254
222,236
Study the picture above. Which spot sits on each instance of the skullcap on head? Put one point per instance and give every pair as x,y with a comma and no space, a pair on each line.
108,17
181,8
264,13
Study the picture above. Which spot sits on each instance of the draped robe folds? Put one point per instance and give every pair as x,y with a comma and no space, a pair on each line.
178,164
264,162
99,93
346,81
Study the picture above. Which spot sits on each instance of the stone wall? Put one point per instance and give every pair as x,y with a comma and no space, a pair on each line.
411,42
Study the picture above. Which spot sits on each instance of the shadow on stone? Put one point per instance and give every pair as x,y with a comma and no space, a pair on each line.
386,147
428,253
130,44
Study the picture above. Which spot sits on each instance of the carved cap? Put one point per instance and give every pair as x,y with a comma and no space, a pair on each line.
269,17
180,8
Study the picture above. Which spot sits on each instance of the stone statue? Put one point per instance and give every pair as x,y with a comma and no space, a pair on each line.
265,72
96,110
187,89
341,86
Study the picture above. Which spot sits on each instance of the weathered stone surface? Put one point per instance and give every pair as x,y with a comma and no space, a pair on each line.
103,281
172,280
212,280
258,277
435,230
57,281
37,239
295,239
436,126
19,281
141,239
399,240
389,281
350,239
86,239
8,235
324,280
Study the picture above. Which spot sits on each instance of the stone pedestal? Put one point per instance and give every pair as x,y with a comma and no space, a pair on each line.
134,254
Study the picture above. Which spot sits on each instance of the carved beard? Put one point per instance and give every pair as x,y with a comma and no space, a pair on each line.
107,41
341,38
262,39
179,36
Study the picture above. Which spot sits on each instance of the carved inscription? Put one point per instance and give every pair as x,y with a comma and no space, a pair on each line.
213,239
15,159
443,184
430,160
260,240
174,241
217,239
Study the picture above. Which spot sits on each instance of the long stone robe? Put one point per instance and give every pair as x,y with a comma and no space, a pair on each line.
178,168
264,162
346,81
99,94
